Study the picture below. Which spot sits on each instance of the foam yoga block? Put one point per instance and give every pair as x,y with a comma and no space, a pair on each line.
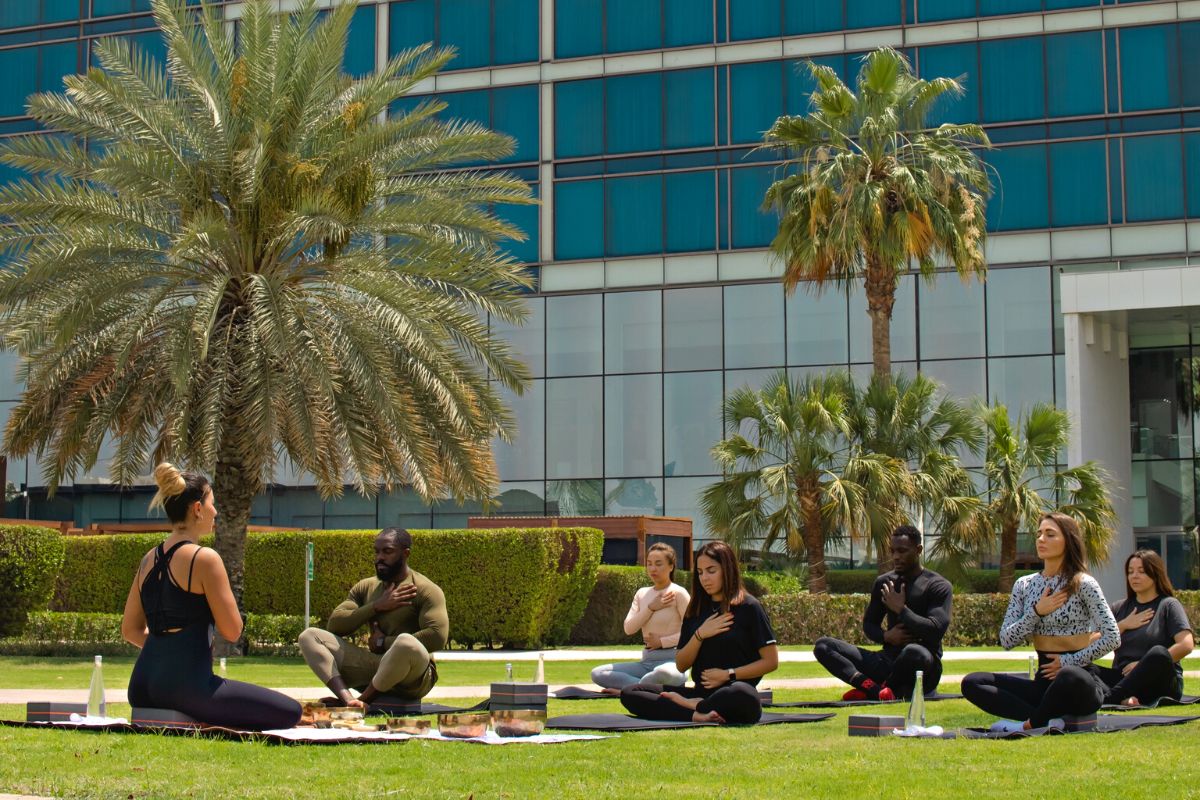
874,725
162,718
513,696
53,712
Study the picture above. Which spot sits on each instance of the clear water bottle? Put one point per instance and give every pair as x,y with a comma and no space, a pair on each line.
224,670
508,672
1033,662
96,706
540,675
916,708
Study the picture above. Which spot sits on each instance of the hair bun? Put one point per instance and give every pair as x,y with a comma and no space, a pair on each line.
170,484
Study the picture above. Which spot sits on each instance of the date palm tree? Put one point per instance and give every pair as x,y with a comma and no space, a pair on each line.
869,191
905,418
238,257
793,472
1024,483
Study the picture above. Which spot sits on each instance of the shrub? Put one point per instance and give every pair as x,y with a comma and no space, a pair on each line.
761,583
516,586
30,558
603,618
50,633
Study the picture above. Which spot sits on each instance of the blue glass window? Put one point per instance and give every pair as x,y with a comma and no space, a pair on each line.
466,26
360,43
934,10
579,219
634,215
989,8
752,226
33,69
1078,183
754,326
1018,311
1013,85
687,22
798,84
632,25
411,23
690,107
633,113
515,112
525,218
1153,190
104,8
578,28
872,13
1020,183
757,96
20,13
579,118
1075,74
1149,67
951,320
691,211
1189,50
799,18
958,61
515,31
1191,147
753,19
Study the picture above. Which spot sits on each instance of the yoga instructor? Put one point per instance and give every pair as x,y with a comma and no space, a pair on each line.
180,592
727,643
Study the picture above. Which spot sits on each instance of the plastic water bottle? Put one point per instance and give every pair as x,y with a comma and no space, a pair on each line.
916,708
508,672
224,672
540,675
96,706
1033,668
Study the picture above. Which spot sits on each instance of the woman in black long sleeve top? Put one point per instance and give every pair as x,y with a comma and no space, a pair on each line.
726,641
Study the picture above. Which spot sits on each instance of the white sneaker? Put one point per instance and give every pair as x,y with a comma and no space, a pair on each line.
1007,726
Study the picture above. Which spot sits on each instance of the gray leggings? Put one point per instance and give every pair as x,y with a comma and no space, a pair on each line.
656,666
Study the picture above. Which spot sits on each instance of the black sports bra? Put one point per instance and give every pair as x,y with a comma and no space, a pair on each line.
167,605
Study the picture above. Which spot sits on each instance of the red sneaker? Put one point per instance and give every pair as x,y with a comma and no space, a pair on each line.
855,694
886,694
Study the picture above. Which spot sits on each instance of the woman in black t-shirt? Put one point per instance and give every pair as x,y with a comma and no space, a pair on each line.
727,643
1155,636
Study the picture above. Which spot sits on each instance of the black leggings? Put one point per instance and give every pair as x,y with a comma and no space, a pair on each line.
174,671
738,703
843,660
1152,678
1075,691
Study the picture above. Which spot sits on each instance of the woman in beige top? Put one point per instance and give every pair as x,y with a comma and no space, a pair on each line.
657,611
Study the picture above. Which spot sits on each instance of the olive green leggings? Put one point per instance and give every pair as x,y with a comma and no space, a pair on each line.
404,669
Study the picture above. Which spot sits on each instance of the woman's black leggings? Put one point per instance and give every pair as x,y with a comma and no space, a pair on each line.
1076,691
1153,677
738,703
174,671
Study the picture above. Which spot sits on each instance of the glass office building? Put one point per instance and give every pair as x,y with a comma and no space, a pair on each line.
636,122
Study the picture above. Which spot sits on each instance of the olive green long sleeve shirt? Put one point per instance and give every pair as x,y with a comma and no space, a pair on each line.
425,618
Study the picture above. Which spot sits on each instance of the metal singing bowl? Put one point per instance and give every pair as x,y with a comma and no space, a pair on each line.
414,726
519,722
463,726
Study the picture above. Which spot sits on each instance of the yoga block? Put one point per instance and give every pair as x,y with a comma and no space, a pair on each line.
162,718
511,696
1079,724
395,706
53,712
873,725
766,696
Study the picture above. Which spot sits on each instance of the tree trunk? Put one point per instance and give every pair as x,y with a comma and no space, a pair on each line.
883,556
814,539
234,489
1008,555
880,286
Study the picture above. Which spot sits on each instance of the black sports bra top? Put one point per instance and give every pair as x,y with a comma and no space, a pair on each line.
167,605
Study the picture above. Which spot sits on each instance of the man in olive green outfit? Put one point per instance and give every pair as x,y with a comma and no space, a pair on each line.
406,613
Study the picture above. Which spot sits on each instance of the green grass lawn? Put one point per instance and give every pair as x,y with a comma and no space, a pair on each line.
785,761
20,672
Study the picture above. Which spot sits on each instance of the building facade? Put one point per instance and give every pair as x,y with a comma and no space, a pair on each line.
636,121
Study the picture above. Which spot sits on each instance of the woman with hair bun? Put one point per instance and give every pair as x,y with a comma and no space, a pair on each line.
180,592
726,641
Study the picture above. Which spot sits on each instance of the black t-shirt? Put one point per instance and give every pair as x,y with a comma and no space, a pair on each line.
1169,619
736,647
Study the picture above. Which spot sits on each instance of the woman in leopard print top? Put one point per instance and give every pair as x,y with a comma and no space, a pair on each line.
1064,611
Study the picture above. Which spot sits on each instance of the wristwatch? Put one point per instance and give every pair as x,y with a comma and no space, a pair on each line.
732,675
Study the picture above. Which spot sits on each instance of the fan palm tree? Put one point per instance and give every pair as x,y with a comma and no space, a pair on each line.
906,419
869,191
236,257
792,471
1020,466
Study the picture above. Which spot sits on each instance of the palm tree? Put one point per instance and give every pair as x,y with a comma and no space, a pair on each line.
236,257
792,470
906,419
868,190
1025,483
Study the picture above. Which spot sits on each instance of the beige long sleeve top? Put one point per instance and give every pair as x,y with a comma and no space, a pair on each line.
665,622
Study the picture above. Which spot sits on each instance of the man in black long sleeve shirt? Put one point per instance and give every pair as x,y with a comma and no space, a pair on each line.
915,604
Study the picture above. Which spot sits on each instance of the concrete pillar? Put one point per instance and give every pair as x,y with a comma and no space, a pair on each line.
1097,374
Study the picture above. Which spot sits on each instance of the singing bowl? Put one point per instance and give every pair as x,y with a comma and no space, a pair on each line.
519,722
413,726
463,726
315,713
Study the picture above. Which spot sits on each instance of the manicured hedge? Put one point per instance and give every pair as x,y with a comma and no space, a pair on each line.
30,557
513,586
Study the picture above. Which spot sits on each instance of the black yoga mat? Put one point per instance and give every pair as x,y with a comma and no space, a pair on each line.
623,722
929,698
438,708
1105,723
1162,702
576,693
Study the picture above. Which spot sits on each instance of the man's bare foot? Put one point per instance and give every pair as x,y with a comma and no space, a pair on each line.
708,716
610,691
1130,701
